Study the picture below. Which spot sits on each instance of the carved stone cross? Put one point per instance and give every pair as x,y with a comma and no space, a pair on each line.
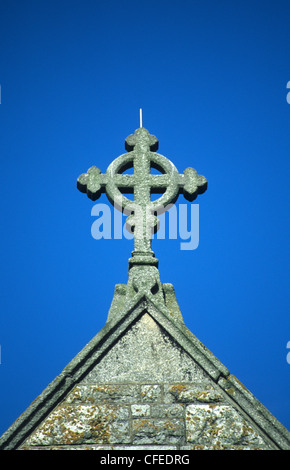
142,221
142,156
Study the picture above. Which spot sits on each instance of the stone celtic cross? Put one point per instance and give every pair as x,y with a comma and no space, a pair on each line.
142,212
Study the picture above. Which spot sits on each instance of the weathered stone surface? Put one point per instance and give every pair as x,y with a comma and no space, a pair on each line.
175,410
219,425
158,431
188,393
145,344
96,393
166,402
142,184
151,393
83,424
106,447
236,390
220,447
140,410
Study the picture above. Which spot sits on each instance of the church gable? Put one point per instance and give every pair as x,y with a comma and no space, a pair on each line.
146,392
145,381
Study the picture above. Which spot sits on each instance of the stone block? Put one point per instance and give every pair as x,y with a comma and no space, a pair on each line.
192,393
98,393
173,410
151,393
218,426
158,431
140,410
83,424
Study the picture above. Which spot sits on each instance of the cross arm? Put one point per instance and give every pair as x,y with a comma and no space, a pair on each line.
191,184
93,183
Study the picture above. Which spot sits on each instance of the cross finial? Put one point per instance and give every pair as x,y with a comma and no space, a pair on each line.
142,221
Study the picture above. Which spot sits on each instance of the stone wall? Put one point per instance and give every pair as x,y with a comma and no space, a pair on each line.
159,416
146,393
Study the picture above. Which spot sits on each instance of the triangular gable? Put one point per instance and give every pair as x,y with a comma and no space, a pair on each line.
212,374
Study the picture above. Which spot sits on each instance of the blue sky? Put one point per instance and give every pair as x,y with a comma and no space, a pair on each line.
211,78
